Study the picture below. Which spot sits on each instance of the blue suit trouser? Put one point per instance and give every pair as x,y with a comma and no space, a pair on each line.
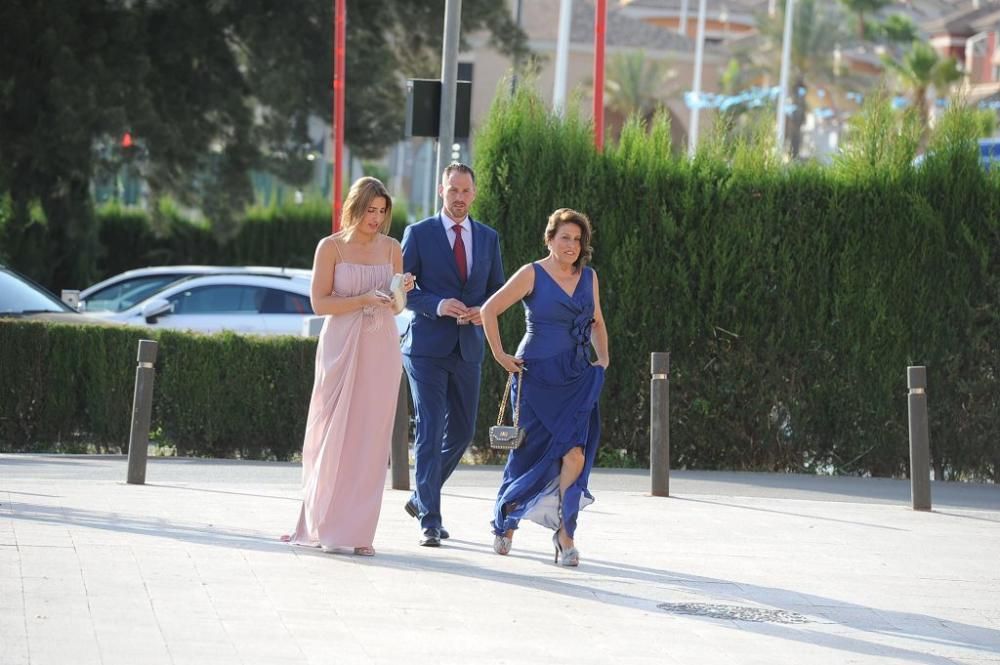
445,394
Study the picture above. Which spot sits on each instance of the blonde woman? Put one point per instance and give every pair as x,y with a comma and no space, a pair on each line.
358,368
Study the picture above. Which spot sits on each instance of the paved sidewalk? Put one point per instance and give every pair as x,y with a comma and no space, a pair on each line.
733,568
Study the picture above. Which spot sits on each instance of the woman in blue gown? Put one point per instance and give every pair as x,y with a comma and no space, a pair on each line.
545,479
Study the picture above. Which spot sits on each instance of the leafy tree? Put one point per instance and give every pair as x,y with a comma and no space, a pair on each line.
899,29
206,91
861,9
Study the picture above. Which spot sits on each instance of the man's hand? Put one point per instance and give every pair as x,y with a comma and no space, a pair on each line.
472,316
454,308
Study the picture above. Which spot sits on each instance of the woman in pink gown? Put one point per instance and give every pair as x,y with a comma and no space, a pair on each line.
358,368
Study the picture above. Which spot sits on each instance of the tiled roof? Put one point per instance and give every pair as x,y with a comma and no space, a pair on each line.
624,31
541,23
966,21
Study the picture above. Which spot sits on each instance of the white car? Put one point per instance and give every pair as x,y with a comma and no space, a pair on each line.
244,303
118,293
258,304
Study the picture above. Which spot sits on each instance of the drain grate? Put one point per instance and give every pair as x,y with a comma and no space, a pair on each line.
734,612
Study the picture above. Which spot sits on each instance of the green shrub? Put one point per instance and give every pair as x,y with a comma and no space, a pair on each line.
792,298
66,387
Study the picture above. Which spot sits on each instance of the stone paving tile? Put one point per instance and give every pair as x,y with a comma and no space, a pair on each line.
195,568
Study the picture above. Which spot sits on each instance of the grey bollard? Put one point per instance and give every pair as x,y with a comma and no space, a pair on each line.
399,453
659,423
920,463
142,405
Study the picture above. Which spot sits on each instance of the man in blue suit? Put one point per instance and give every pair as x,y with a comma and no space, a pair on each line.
457,266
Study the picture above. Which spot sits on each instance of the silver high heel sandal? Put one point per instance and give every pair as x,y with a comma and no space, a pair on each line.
502,544
569,557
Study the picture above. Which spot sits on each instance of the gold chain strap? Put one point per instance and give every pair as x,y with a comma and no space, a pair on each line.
503,400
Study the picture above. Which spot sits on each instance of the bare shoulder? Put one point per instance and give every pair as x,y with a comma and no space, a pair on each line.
329,247
525,277
330,242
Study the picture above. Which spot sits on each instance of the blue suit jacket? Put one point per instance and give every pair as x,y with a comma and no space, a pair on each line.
428,254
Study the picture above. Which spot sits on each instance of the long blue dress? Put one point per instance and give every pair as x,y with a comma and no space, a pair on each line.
559,407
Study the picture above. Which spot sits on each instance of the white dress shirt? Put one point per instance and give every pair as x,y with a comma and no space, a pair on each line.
449,224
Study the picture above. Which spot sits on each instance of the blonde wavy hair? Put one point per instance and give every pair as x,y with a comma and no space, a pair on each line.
363,192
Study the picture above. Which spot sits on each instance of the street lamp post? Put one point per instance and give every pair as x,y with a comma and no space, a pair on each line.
339,56
562,56
449,85
699,57
600,22
786,57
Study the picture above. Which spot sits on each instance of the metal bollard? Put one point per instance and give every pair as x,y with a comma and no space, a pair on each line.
920,466
399,453
142,405
659,423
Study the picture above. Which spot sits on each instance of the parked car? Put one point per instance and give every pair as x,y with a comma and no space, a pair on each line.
275,304
118,293
22,298
989,152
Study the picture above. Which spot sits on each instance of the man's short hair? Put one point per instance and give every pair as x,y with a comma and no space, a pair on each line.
459,167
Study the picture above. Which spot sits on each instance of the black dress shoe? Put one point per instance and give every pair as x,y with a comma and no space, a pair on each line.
431,538
444,533
411,509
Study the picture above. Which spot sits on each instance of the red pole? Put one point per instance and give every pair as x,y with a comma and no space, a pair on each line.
599,32
339,55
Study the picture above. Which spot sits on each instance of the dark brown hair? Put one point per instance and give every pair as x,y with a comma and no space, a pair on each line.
570,216
458,167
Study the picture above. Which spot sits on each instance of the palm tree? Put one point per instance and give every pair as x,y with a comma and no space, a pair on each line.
861,7
920,69
635,85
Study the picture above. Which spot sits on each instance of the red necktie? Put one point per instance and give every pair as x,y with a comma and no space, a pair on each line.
460,253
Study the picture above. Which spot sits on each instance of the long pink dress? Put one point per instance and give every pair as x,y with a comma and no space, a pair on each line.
351,413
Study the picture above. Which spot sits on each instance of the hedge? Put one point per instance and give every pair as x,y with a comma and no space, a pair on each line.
792,298
131,238
69,388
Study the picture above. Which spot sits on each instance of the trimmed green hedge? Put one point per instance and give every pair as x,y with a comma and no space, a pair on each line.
792,298
66,387
129,238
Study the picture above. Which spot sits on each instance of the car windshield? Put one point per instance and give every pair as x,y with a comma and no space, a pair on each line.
119,297
21,297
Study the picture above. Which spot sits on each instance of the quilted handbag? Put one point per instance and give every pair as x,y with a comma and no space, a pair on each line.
507,437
